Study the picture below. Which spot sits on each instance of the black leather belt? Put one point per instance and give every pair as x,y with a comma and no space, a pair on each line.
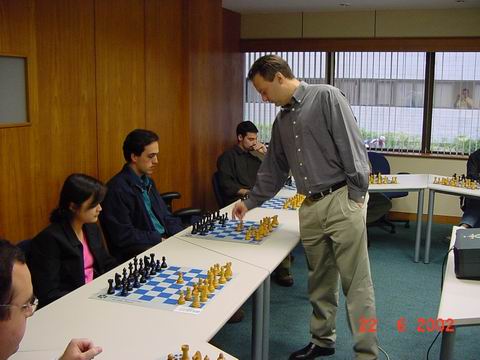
320,195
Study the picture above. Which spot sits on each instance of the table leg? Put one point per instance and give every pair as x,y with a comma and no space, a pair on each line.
418,238
448,342
266,318
257,323
431,203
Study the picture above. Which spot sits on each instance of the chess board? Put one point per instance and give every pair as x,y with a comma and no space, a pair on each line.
276,203
229,233
162,292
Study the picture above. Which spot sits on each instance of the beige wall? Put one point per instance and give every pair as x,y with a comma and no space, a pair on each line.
363,24
445,205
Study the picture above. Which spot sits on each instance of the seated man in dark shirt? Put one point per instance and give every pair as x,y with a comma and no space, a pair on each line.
237,169
471,206
134,216
238,166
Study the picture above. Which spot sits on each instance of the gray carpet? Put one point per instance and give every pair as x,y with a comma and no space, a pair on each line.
402,288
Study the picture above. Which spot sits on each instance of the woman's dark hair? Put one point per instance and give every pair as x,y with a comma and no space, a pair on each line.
9,255
136,141
77,189
268,65
246,127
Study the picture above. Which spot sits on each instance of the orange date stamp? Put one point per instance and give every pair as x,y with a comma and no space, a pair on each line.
423,325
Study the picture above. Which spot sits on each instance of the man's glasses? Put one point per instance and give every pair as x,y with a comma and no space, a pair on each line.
27,309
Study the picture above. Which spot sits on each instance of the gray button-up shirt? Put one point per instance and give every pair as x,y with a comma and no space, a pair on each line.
316,137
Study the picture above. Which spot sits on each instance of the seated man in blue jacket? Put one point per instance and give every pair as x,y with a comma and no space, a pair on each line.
134,216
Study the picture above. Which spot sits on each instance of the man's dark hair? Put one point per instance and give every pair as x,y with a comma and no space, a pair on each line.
246,127
267,66
9,255
77,189
136,141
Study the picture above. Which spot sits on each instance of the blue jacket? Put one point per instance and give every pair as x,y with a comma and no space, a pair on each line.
125,220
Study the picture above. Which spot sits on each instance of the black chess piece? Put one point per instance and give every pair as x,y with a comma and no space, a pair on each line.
152,269
146,262
142,277
136,283
158,268
129,285
118,281
164,263
152,258
124,288
110,290
124,272
140,262
194,229
135,263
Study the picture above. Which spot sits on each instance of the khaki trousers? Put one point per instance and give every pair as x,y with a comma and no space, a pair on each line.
334,236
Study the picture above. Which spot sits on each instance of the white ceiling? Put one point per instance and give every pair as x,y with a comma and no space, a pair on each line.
272,6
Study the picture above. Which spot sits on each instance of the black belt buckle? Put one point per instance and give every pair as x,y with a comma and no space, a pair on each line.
320,195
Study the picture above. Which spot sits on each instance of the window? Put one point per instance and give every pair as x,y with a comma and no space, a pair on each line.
307,66
456,103
387,93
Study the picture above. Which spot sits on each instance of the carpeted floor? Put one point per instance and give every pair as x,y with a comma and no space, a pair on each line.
403,289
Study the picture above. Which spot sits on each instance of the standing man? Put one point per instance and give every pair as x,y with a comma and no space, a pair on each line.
237,171
471,206
134,216
315,135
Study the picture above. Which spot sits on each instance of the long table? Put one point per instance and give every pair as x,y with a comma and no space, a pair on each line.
134,332
267,255
459,302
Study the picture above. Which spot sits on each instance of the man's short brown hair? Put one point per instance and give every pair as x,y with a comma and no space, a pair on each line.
268,65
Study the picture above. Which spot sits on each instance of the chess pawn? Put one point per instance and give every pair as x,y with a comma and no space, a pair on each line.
185,355
180,278
215,282
170,357
188,295
181,299
248,235
196,300
275,221
206,357
222,280
211,287
228,271
204,294
220,357
197,356
195,289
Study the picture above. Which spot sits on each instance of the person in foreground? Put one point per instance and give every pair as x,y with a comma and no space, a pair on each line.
471,206
70,252
17,304
315,135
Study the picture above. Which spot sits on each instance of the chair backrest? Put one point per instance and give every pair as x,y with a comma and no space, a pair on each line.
379,163
216,189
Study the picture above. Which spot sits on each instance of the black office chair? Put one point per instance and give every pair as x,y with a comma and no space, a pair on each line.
217,190
380,165
25,246
187,215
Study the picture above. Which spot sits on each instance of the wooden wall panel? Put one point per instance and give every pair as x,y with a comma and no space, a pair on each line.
19,212
66,129
120,78
167,96
209,130
233,72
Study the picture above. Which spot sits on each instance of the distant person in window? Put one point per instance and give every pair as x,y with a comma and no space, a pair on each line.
464,101
237,169
471,207
70,252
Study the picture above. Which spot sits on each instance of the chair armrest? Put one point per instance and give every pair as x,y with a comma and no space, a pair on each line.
169,196
188,212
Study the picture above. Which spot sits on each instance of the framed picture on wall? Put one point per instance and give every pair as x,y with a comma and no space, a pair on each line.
13,91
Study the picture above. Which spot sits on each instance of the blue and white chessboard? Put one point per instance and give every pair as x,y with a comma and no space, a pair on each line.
162,292
229,233
276,203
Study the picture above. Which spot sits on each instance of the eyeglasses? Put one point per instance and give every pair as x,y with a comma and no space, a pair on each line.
28,309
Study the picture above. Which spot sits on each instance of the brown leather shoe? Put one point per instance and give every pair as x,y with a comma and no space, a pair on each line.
237,316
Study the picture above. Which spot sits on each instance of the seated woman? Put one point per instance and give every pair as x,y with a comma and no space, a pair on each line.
70,252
